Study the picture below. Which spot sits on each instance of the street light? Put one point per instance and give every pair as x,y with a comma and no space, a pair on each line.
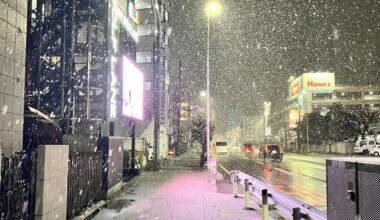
212,9
203,94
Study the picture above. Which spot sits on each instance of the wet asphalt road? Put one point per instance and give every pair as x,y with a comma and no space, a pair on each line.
300,176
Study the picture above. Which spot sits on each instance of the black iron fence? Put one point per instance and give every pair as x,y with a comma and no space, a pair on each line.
17,186
85,181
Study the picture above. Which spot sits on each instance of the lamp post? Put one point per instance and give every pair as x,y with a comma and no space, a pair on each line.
212,9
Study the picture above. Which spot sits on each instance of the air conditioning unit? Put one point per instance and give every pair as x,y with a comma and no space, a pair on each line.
353,188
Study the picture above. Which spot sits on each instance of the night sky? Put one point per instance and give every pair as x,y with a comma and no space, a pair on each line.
257,45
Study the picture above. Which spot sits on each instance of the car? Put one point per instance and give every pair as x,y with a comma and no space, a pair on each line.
235,148
375,151
247,148
365,146
39,129
221,147
272,151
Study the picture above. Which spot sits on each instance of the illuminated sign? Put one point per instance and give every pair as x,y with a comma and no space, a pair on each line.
294,116
124,21
295,87
319,82
312,82
116,15
133,89
133,12
267,108
113,87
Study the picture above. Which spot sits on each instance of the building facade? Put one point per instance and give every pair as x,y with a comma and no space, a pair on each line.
13,30
74,54
152,55
314,92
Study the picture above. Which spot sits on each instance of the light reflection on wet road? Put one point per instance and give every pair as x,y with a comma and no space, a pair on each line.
300,176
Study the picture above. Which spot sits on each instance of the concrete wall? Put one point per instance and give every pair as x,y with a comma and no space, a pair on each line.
52,180
12,73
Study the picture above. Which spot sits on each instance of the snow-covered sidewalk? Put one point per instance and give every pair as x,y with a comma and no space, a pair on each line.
178,194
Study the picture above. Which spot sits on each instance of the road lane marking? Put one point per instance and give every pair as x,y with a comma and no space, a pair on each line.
283,171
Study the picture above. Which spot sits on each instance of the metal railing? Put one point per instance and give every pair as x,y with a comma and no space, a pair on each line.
288,206
84,181
17,186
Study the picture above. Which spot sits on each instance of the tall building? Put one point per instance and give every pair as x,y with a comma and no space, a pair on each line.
74,50
152,55
13,30
75,54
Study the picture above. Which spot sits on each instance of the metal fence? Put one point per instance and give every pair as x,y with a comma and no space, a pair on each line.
17,186
85,181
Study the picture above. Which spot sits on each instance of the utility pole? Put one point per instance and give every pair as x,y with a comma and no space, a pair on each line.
89,60
307,132
265,130
179,105
156,103
133,171
189,121
286,137
298,130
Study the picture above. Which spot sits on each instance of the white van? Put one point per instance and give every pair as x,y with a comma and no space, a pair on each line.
221,147
365,146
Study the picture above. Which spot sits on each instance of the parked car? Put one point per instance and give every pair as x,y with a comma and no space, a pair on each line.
221,147
272,151
235,148
39,129
365,146
247,148
375,151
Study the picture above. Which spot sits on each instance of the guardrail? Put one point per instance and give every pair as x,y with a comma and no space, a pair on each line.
285,204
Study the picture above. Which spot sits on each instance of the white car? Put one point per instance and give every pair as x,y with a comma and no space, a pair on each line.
375,151
365,146
221,147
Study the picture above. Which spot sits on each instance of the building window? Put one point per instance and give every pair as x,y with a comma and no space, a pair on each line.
144,57
145,30
322,96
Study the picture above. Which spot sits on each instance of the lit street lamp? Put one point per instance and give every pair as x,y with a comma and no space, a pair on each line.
202,96
212,9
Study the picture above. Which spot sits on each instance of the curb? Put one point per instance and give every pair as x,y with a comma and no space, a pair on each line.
91,210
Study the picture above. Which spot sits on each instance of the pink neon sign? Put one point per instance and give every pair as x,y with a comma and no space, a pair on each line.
133,81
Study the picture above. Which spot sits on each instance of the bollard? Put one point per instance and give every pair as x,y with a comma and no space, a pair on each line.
264,194
298,215
214,165
234,184
247,194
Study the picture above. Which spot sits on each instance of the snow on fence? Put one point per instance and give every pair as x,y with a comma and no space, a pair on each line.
85,181
17,186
